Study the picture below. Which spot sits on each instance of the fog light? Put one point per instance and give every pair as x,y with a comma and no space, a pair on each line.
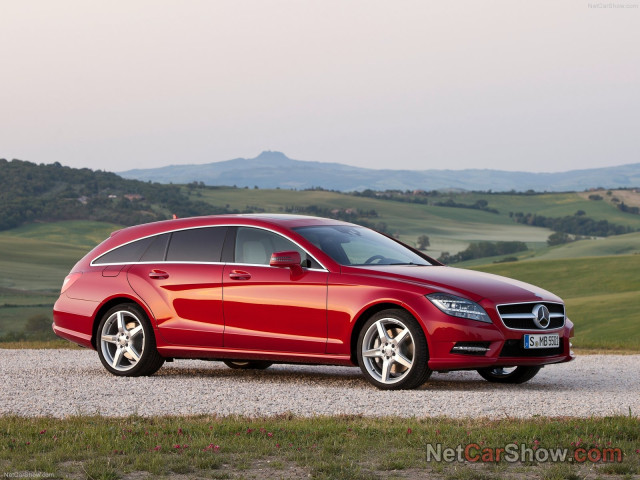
471,348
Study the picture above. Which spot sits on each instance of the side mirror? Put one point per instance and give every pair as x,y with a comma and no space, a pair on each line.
289,259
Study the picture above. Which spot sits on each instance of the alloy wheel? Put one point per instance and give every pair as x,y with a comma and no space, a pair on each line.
388,350
122,340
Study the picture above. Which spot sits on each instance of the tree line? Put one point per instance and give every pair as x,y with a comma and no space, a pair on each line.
31,192
483,249
578,224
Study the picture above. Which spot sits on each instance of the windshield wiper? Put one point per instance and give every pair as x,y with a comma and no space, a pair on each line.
410,263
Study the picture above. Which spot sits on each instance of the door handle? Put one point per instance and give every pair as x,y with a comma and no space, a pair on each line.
158,274
239,275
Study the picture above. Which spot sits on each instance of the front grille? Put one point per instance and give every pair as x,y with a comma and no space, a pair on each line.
514,348
520,316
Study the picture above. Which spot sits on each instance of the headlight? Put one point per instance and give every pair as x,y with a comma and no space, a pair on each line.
459,307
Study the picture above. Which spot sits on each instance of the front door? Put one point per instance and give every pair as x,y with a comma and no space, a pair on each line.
269,308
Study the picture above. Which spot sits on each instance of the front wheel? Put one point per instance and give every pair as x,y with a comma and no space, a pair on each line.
126,345
508,374
392,351
247,364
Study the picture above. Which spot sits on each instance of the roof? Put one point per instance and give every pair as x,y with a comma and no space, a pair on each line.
261,219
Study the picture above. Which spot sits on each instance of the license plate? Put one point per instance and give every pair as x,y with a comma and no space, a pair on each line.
542,341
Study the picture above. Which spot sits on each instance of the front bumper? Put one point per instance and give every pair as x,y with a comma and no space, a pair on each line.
503,345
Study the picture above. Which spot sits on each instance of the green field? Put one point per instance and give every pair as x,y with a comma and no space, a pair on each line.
81,234
449,229
552,205
616,245
34,260
602,295
596,277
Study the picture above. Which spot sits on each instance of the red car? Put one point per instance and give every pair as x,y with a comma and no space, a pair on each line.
251,290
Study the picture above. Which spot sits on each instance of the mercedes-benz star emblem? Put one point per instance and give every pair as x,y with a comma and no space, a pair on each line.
541,316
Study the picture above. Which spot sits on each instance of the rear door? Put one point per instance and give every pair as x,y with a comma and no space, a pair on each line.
180,279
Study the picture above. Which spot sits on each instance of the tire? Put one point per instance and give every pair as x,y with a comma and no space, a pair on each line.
392,351
126,344
509,374
247,364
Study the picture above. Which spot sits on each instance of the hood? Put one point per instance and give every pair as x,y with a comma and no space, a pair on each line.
473,285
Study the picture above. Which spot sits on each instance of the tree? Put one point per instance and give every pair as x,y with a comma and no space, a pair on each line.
558,238
423,242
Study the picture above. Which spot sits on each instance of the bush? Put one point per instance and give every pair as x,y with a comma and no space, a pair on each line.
37,327
37,324
484,249
507,259
574,224
558,238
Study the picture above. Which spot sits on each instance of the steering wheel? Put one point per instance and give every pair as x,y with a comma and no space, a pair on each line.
372,259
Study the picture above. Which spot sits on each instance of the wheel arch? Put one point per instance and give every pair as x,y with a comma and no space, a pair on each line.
106,306
367,313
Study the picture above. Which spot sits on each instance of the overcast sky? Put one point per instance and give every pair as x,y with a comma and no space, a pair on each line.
509,84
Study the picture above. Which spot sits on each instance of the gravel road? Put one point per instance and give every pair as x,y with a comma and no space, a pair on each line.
60,383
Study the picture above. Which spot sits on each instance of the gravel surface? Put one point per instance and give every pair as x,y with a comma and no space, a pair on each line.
60,383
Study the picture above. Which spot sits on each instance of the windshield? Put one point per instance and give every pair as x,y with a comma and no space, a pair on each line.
359,246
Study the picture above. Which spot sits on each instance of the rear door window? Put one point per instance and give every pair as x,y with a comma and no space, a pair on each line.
157,249
196,245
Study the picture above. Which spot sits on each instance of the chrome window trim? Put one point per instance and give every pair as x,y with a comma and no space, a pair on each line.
269,266
92,264
564,321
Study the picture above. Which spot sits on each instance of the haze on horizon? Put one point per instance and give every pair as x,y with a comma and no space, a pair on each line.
510,85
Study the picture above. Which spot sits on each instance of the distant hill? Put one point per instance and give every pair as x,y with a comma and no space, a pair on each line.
276,170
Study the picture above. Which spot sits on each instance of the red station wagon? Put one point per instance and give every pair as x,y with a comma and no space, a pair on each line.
253,290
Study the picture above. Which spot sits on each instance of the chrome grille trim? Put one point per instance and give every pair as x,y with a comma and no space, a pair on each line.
519,316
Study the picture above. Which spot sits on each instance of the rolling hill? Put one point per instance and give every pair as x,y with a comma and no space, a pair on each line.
601,292
595,276
32,193
276,170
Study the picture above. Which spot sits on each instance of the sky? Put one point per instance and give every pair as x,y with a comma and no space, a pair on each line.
546,85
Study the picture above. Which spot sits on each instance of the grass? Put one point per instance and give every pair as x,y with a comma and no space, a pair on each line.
84,234
450,229
34,259
40,344
600,291
36,265
628,244
601,295
553,205
548,204
320,447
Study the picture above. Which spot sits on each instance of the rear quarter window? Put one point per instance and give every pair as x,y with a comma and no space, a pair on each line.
129,253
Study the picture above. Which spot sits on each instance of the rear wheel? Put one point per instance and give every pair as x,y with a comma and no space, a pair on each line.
392,351
508,374
126,345
247,364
